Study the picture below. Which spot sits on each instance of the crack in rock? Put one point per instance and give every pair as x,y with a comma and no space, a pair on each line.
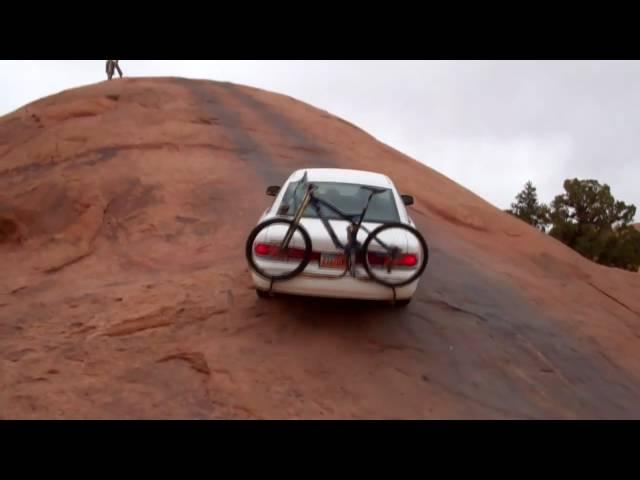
162,318
196,361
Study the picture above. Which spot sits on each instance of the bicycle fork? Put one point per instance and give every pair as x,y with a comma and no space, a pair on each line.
296,220
353,247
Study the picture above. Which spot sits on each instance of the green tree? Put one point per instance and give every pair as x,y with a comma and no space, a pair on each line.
623,249
587,218
529,209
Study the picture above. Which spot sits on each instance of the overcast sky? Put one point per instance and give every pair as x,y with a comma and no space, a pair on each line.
490,126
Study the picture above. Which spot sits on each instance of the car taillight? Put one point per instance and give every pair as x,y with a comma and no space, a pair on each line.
262,249
408,260
267,250
295,253
404,260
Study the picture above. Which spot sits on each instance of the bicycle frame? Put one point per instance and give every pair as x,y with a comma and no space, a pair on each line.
315,202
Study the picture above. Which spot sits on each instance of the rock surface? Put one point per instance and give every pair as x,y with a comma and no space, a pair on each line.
124,292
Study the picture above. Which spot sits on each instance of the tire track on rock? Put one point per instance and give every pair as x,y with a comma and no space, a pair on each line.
247,148
308,151
533,339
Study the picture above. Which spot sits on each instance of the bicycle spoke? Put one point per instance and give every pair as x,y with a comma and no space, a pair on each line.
402,259
278,249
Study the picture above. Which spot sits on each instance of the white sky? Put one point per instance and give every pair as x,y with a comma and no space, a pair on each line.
488,125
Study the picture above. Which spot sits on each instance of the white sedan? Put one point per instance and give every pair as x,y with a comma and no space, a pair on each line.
324,275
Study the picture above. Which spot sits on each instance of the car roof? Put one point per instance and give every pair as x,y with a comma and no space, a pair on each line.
343,175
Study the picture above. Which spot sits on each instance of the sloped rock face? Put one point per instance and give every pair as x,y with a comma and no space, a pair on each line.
124,292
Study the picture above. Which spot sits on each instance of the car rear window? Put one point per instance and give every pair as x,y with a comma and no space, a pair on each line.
347,197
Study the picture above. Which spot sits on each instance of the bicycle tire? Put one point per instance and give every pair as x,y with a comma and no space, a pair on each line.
372,236
287,276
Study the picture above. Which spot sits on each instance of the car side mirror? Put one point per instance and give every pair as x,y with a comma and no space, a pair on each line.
273,190
407,199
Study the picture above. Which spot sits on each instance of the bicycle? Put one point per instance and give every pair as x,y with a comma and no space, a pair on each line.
375,260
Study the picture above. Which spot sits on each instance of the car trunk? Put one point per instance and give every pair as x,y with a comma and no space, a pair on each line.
327,259
323,245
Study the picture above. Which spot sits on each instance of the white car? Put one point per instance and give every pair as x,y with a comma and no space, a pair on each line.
322,276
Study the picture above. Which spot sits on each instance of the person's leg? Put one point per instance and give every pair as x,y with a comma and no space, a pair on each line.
119,71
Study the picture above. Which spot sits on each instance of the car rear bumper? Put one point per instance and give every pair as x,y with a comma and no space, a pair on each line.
344,287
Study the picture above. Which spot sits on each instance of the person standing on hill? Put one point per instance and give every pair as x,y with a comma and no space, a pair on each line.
111,66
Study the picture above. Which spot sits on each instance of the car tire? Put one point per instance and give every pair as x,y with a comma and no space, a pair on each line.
403,303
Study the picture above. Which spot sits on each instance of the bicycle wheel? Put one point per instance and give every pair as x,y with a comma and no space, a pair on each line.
265,256
395,254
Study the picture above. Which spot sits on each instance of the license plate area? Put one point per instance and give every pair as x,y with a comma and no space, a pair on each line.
333,260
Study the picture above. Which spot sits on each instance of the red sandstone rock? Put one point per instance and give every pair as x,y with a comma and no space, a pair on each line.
124,207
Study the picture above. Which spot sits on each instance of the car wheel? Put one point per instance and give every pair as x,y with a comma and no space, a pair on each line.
403,303
262,293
